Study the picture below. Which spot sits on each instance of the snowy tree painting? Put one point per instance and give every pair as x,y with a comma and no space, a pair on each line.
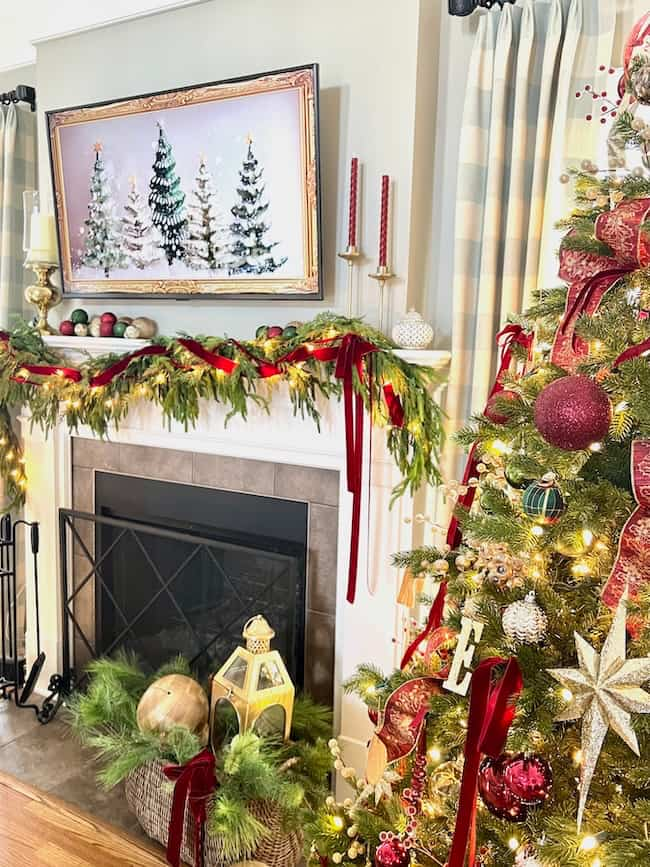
250,251
206,241
167,200
102,241
140,238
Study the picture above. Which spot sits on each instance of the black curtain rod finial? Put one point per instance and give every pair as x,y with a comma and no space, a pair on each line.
466,7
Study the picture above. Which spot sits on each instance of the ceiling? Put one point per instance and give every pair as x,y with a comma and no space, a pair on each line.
40,19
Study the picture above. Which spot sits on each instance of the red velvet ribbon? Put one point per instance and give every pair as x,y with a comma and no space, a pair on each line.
194,783
219,362
352,351
591,275
394,404
632,566
633,352
48,370
491,712
109,374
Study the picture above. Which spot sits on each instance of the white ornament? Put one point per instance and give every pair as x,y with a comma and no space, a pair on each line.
81,329
132,332
524,622
412,332
94,327
146,327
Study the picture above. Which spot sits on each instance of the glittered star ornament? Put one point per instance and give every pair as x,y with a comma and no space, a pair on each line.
605,689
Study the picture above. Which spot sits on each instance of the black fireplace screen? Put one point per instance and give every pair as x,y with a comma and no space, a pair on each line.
165,568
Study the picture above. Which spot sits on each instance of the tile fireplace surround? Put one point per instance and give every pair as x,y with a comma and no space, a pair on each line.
278,455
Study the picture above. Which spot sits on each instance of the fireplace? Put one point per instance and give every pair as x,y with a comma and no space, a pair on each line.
190,546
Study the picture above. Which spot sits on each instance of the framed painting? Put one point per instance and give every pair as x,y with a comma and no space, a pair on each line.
207,190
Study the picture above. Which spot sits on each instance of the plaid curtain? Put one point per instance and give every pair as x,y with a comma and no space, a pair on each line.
17,173
522,127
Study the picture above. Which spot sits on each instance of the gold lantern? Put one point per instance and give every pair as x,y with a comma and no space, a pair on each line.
253,689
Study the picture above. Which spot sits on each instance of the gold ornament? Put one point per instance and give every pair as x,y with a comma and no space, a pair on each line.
605,690
174,700
253,689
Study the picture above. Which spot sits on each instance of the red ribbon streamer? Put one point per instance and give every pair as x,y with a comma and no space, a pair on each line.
109,374
394,404
591,276
47,370
632,566
632,352
491,713
194,782
219,362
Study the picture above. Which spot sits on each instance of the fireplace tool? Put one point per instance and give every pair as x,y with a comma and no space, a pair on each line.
14,685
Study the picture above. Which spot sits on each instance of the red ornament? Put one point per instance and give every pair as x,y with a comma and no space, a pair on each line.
106,329
495,792
572,413
109,317
274,331
529,778
392,853
67,328
495,415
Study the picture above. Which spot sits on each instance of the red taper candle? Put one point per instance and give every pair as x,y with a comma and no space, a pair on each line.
383,222
354,184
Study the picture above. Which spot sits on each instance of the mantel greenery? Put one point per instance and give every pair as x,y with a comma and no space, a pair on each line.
178,381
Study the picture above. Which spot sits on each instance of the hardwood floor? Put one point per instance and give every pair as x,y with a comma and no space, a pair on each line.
39,830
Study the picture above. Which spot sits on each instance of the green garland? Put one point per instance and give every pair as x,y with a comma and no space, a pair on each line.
178,382
293,775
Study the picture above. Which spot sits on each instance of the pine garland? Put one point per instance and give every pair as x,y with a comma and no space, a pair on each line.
178,382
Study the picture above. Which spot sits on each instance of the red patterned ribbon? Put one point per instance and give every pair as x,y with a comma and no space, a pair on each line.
109,374
632,566
404,715
591,276
194,783
491,713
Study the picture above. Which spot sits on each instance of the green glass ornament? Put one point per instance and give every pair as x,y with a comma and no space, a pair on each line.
543,501
515,477
119,328
261,332
79,317
289,332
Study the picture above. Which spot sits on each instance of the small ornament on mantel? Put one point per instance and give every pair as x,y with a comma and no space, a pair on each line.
413,332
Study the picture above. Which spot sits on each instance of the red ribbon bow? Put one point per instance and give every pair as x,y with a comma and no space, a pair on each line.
194,782
591,275
491,713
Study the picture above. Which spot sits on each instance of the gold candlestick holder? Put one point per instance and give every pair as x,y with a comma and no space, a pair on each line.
382,275
351,255
43,295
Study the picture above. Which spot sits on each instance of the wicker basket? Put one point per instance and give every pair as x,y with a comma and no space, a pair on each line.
149,796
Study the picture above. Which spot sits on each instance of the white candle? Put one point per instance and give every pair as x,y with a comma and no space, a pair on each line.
43,246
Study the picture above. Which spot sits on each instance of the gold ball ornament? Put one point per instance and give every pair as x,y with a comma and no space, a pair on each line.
174,700
147,327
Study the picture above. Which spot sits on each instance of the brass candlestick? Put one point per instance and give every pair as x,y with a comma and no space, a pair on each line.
382,275
43,295
350,255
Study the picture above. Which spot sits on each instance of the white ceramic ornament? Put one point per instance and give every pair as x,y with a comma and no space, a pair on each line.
81,329
95,326
412,332
132,332
146,327
524,622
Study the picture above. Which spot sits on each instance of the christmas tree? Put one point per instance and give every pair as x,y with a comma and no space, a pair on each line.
167,200
249,252
138,234
205,246
517,730
102,242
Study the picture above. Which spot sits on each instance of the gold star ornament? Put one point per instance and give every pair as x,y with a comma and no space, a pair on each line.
605,690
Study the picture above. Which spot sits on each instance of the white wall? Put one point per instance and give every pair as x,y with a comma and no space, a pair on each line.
374,55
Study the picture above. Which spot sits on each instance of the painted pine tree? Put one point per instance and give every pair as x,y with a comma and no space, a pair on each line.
102,241
205,246
167,200
250,253
138,233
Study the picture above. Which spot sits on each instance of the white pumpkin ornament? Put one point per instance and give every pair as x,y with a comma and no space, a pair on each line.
132,332
412,332
524,622
94,326
81,329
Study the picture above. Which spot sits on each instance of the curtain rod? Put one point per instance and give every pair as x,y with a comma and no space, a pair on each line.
466,7
22,93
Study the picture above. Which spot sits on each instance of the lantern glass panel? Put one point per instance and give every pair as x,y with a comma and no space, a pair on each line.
269,676
225,722
236,673
271,722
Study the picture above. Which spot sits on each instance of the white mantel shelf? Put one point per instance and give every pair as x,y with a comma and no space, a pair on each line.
437,359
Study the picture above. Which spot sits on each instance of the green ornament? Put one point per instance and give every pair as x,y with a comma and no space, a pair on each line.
119,328
261,332
79,317
543,501
515,477
289,332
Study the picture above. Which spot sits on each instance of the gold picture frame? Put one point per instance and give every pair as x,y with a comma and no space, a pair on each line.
299,276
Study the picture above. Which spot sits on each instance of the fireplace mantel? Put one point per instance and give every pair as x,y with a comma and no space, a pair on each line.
372,628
